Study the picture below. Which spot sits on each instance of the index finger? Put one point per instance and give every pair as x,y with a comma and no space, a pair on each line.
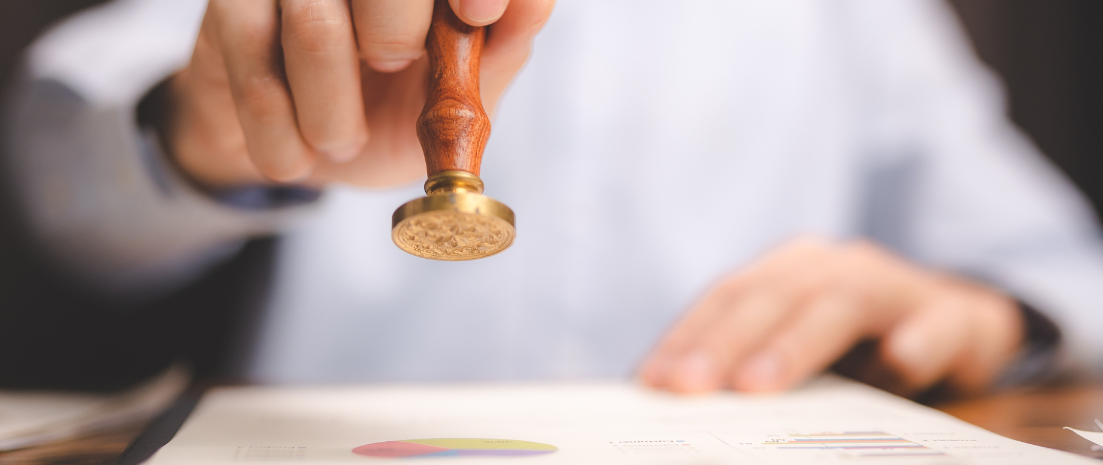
324,75
247,36
820,332
734,318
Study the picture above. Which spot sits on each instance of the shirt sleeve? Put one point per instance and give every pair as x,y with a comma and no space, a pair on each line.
97,193
955,186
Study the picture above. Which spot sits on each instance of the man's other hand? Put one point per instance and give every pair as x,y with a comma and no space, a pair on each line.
320,91
805,305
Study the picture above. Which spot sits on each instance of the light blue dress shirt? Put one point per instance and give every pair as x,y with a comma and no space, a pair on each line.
647,148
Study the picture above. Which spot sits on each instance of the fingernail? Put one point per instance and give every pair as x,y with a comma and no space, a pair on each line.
696,373
389,66
482,11
763,371
343,155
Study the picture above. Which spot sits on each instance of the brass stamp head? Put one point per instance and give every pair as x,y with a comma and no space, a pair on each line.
455,221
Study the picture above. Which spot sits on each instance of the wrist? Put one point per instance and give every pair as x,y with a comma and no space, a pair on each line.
163,112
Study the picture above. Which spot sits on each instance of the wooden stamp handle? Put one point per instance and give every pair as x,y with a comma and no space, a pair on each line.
453,127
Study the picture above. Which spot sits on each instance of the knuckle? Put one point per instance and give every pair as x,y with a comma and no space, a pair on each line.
862,248
316,25
260,96
732,286
808,243
798,252
234,26
541,17
220,8
854,262
858,256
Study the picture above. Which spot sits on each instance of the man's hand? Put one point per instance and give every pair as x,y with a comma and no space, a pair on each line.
322,91
796,311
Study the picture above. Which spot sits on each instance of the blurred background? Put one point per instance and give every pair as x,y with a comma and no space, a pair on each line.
1049,54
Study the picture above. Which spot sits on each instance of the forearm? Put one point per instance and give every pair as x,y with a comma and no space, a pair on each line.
103,201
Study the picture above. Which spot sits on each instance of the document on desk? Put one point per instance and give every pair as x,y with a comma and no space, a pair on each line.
830,420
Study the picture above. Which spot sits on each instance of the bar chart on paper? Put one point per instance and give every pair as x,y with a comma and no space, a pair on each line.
931,444
856,444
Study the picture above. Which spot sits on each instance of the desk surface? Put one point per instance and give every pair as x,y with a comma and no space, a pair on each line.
1033,416
1037,416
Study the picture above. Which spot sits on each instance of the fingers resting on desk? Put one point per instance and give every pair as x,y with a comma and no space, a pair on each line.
802,307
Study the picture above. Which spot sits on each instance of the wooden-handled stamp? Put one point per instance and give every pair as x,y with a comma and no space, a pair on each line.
454,221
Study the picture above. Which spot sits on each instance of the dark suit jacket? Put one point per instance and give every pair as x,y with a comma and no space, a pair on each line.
56,333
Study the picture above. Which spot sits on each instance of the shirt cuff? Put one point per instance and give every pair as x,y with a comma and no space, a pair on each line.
1040,358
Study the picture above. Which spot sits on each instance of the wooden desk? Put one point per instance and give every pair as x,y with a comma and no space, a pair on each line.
1037,416
99,449
1033,416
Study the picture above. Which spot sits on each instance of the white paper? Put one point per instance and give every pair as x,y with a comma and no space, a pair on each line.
32,418
1092,436
828,421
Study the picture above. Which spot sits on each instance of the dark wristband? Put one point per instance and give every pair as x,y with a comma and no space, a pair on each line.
1039,332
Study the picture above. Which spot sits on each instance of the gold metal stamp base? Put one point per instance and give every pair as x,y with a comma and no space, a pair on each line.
454,222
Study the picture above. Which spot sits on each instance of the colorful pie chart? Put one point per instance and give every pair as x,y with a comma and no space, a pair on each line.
454,447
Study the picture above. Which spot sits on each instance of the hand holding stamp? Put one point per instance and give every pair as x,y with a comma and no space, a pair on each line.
454,221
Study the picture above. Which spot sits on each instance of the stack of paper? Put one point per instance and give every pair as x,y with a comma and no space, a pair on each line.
33,418
830,420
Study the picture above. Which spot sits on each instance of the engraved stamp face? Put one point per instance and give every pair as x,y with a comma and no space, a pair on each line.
452,235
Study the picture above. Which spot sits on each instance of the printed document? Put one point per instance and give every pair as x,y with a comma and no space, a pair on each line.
830,420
